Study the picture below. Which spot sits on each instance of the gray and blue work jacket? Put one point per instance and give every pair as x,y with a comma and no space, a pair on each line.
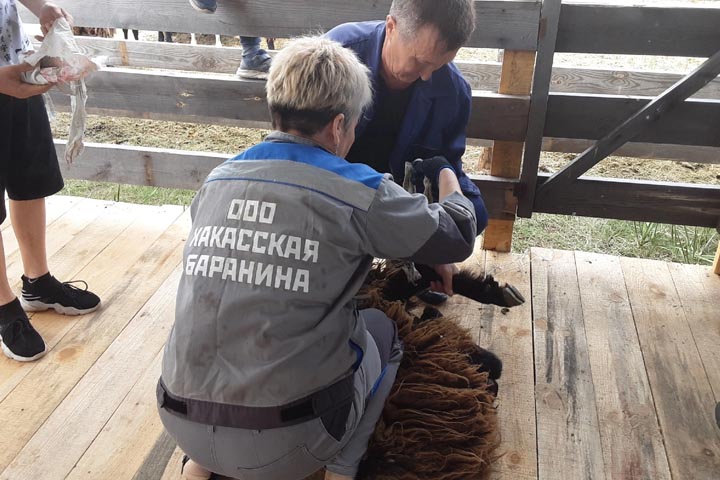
282,238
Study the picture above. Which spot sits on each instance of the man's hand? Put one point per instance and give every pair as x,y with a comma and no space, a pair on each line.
51,12
11,82
431,167
446,272
440,172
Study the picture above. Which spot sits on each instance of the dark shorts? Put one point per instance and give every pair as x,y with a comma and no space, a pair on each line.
28,163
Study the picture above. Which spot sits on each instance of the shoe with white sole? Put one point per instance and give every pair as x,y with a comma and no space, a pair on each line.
46,292
18,339
204,6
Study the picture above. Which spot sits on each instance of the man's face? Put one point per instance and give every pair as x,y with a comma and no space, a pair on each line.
407,58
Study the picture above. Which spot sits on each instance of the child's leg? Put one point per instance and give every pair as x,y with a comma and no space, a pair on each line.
6,293
18,339
28,221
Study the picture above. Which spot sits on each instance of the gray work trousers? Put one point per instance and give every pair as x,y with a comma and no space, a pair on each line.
294,452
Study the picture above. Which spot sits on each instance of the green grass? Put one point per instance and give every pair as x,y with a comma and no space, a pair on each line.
128,193
615,237
675,243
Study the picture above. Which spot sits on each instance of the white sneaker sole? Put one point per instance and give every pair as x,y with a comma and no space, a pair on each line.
36,306
18,358
251,75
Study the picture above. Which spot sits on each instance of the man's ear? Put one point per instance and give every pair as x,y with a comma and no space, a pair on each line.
390,24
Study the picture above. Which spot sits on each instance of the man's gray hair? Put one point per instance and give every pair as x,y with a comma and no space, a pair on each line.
312,80
454,19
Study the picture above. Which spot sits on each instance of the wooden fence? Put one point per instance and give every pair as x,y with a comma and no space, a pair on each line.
567,109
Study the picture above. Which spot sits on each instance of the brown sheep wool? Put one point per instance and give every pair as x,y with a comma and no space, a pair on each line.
439,421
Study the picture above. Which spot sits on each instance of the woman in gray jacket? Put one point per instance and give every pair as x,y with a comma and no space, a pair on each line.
270,372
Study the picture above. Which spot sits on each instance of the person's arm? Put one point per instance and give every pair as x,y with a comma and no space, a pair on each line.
403,226
447,184
11,82
453,148
47,13
441,175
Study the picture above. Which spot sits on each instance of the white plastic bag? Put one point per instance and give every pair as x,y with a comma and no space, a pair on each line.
59,60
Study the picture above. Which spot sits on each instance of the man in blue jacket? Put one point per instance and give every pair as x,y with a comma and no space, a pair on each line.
421,105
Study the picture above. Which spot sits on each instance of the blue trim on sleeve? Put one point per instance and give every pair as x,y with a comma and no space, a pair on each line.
314,156
377,382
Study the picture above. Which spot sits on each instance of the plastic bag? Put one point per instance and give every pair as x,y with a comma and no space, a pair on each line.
59,60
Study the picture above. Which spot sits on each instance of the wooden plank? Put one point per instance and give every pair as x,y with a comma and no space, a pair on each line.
142,165
91,233
683,397
500,24
660,107
139,258
508,334
498,235
632,444
201,99
506,159
517,72
569,445
480,75
624,29
658,151
190,97
537,114
660,202
621,82
699,291
171,96
593,116
498,194
157,461
181,169
134,442
464,309
516,79
716,263
173,466
70,430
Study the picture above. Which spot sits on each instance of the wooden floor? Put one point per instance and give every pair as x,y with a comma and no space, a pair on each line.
612,371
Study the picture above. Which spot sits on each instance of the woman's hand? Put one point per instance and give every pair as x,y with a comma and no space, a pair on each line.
51,12
446,272
11,82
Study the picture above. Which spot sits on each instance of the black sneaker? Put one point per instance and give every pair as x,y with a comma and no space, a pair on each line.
19,340
47,292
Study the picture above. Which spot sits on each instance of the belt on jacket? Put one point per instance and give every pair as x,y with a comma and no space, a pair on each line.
332,404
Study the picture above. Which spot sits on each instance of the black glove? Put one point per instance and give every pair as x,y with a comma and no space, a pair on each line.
430,168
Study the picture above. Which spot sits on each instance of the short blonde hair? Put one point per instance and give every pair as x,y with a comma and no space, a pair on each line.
312,80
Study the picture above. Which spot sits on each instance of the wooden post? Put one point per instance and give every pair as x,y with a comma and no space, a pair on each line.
515,79
716,264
